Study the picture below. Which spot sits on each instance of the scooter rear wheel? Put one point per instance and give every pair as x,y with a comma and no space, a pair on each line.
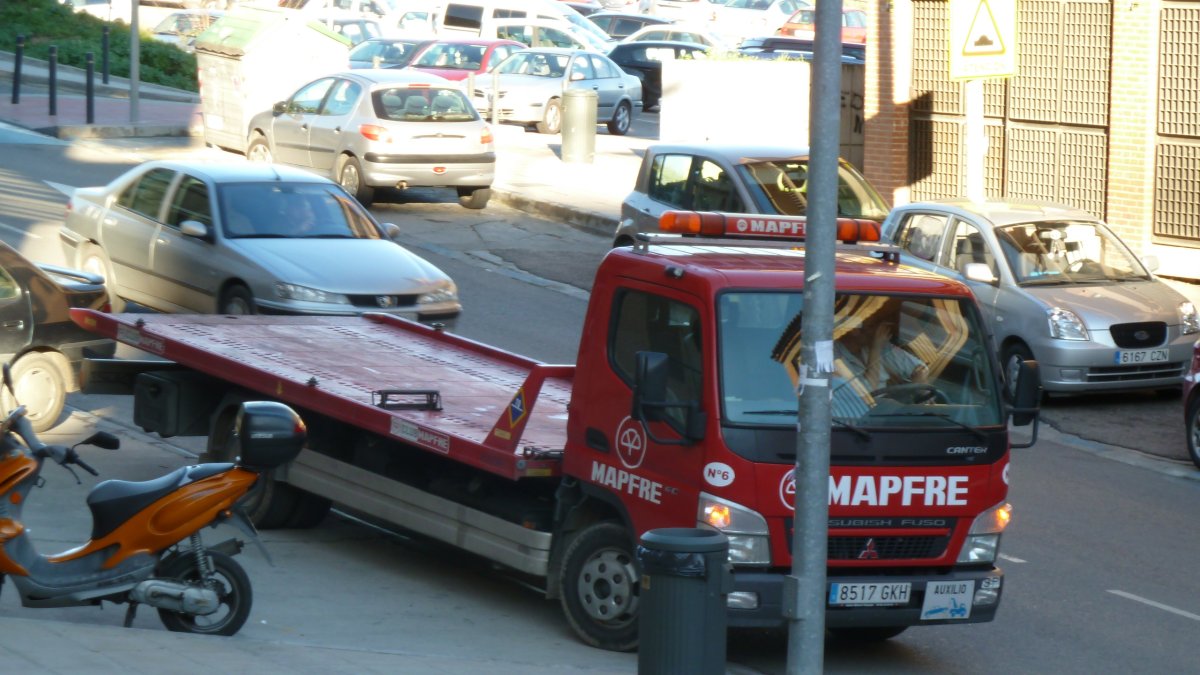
233,590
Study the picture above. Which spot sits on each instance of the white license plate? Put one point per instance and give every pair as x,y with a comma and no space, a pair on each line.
1132,356
844,595
947,600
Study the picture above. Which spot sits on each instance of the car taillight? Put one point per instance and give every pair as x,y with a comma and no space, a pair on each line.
375,132
485,137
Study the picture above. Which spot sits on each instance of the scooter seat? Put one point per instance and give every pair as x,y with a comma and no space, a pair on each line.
115,501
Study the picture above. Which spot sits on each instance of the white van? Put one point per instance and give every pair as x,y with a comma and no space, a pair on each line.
480,17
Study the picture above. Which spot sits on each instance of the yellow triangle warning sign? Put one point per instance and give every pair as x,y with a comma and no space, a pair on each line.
984,36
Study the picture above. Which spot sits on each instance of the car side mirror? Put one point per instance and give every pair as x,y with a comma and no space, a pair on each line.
279,108
391,230
1151,262
979,272
576,76
194,228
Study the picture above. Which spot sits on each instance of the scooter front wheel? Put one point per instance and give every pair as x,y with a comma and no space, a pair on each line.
233,590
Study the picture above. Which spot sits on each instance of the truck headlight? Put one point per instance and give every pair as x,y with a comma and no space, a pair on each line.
983,539
749,542
1066,325
446,292
306,294
1189,319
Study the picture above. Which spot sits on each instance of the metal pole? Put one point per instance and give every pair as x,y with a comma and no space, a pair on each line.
804,598
53,81
135,57
17,58
495,102
104,55
91,88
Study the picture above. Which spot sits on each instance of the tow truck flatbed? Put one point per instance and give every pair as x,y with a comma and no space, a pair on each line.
438,391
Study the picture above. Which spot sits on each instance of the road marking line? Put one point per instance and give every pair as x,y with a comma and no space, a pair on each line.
1159,605
1011,559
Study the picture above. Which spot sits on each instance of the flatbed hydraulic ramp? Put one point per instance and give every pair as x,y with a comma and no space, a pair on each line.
477,404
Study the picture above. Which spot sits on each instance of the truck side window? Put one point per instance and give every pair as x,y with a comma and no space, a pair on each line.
647,322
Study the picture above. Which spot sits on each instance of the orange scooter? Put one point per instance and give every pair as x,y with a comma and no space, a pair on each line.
145,546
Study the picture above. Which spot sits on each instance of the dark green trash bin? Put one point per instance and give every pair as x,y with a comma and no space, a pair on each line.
686,577
579,125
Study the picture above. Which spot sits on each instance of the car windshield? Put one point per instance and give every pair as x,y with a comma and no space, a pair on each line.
1067,252
781,186
537,64
423,104
292,211
452,56
388,52
895,362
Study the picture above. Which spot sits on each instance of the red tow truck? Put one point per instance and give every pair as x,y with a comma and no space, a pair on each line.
680,412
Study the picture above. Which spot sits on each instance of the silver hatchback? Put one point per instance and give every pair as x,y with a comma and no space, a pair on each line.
370,129
1057,286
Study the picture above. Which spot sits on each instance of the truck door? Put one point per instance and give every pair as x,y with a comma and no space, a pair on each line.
651,479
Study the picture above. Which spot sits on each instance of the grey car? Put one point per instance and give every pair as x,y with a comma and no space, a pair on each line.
733,179
244,238
1057,286
532,83
370,129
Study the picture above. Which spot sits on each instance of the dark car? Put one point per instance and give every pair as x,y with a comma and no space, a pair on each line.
37,335
644,61
789,47
621,25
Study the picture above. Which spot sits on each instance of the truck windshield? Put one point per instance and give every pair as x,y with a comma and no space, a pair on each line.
896,362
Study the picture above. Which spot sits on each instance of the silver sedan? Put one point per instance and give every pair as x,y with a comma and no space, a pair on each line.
244,238
529,87
1057,286
369,129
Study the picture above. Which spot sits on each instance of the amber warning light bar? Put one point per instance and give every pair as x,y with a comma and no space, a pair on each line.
751,226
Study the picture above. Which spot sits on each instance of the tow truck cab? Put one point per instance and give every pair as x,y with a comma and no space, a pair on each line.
919,470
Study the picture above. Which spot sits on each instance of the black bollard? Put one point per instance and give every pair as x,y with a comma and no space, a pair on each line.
53,81
16,93
91,88
104,56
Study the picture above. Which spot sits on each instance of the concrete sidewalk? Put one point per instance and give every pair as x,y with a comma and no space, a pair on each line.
530,174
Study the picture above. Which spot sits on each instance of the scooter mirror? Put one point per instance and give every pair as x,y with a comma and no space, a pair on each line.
103,439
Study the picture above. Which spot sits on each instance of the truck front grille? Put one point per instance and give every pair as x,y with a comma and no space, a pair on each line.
886,548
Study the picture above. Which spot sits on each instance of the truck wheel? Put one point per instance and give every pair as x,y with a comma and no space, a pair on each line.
233,591
872,634
474,197
41,387
552,119
310,510
621,120
93,259
1193,430
350,177
259,150
600,583
270,503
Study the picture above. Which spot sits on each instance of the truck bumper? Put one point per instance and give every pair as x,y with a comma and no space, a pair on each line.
766,589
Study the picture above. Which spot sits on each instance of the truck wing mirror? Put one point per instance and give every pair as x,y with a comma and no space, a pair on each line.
1027,396
649,386
650,399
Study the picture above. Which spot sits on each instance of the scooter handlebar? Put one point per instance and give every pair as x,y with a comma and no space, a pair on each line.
73,458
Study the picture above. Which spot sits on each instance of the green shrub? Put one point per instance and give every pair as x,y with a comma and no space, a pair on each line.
46,23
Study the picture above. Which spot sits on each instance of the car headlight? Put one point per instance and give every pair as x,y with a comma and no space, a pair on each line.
446,292
983,539
306,294
749,542
1066,325
1189,319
